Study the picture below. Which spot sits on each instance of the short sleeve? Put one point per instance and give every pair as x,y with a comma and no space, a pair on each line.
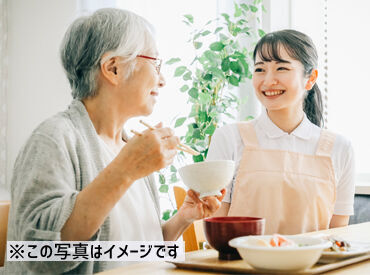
221,148
345,165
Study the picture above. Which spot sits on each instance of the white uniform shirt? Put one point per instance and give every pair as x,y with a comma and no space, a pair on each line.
134,217
227,144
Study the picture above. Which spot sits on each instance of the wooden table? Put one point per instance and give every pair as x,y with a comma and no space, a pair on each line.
358,232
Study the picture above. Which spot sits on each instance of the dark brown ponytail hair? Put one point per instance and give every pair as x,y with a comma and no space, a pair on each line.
299,47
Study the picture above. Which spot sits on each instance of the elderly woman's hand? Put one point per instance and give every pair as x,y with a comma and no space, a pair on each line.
149,152
194,208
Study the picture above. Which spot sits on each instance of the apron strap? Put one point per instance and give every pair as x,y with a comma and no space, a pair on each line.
248,135
326,143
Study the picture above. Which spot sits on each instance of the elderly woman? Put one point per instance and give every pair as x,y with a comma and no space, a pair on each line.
78,177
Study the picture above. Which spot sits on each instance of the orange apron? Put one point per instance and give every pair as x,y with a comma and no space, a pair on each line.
294,192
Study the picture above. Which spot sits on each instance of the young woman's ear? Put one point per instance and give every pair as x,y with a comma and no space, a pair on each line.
311,80
109,70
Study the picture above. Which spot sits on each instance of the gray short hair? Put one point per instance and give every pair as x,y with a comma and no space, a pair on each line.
114,31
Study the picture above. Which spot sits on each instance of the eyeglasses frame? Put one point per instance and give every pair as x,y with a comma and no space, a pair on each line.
157,66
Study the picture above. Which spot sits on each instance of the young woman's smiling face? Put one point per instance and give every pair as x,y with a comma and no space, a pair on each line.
279,84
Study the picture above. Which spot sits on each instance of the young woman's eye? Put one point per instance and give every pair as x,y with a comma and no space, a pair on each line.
258,70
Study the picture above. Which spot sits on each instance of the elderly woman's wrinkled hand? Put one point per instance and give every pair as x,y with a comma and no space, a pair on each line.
149,152
195,208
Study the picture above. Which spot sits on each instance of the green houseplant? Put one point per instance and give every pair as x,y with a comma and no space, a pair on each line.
217,67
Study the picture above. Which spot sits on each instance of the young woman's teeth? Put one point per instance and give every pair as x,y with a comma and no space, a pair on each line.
273,93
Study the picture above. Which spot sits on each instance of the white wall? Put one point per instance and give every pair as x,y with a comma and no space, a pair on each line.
37,87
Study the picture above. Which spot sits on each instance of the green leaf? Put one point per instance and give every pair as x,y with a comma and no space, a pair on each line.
174,212
249,118
198,158
217,72
173,60
204,98
210,129
202,144
235,67
189,17
190,131
193,111
226,16
237,55
196,134
174,178
211,56
218,29
213,113
208,77
184,88
225,64
238,11
195,59
180,70
233,80
197,45
245,30
253,8
196,36
229,115
186,22
180,121
202,117
163,188
261,32
187,76
244,6
193,93
216,46
224,38
205,33
166,215
162,179
245,65
236,31
242,21
173,168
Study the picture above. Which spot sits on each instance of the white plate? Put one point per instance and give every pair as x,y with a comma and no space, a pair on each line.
356,249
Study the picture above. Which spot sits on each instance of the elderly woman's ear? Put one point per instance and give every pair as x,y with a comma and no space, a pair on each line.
110,70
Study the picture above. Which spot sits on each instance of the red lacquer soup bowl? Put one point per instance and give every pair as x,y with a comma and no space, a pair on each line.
220,230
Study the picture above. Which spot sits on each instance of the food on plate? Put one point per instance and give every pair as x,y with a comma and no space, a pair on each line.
279,241
338,245
275,241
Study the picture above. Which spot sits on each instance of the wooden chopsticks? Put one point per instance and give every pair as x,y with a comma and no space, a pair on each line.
181,146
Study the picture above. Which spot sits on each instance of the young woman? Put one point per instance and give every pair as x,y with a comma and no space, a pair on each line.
290,171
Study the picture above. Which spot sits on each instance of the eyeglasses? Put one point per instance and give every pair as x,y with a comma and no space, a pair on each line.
157,61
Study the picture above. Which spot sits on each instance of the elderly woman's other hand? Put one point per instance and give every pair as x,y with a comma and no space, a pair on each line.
149,152
195,208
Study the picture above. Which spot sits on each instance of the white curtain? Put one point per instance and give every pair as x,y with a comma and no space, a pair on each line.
3,88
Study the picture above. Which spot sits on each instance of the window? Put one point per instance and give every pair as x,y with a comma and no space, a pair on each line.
171,35
349,71
343,58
